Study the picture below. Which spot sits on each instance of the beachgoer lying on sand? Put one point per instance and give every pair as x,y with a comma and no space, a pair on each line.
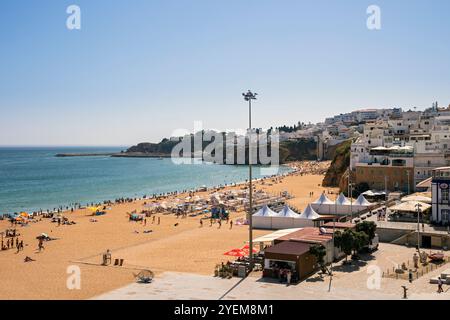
28,259
176,224
148,231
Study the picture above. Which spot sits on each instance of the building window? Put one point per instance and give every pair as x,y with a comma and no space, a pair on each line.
445,214
444,195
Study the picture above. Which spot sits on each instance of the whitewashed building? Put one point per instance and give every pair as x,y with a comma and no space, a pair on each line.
440,199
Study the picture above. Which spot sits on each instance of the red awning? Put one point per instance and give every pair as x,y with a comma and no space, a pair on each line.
236,253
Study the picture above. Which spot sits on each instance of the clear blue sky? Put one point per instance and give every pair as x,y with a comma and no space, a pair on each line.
139,69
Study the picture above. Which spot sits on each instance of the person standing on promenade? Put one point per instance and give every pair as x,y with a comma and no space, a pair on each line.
201,223
231,224
440,290
288,277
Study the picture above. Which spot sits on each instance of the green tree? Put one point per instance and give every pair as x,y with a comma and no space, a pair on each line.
350,241
345,241
360,239
368,227
319,251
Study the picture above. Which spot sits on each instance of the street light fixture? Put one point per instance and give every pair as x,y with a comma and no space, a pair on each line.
418,206
249,96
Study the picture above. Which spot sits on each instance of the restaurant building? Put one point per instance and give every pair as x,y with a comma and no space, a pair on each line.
290,251
289,255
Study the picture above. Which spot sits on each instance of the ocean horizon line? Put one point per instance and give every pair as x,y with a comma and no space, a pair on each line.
64,146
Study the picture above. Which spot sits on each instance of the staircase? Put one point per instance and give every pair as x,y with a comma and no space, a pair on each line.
401,240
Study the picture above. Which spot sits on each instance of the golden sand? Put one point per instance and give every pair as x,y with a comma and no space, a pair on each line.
185,248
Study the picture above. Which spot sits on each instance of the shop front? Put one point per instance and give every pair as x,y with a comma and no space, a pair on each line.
288,259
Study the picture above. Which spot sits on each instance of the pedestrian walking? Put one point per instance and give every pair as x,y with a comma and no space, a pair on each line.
41,245
440,290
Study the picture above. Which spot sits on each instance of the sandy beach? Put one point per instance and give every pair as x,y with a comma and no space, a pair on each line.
186,247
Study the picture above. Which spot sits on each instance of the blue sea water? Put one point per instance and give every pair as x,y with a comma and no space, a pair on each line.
33,178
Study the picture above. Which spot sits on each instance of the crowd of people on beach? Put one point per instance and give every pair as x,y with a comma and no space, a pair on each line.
12,241
304,167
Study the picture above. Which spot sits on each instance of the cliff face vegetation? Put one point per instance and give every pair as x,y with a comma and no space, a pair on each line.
339,165
163,147
304,149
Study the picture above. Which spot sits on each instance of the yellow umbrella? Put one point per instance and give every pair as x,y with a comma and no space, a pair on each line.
94,209
24,214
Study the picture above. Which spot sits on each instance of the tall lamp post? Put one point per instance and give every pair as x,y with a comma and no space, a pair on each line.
407,175
249,96
418,206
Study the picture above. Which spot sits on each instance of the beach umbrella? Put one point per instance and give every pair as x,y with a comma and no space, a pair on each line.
246,249
235,253
410,206
24,214
419,198
42,236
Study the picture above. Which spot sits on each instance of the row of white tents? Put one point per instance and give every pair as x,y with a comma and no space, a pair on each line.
266,218
342,205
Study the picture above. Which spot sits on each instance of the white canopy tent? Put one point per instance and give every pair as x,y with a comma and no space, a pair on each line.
360,204
361,201
342,200
342,205
323,205
371,193
285,219
308,216
262,219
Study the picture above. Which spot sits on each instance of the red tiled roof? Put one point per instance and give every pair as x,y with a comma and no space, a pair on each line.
339,225
308,234
289,248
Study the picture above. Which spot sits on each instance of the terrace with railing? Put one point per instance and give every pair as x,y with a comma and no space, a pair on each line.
401,272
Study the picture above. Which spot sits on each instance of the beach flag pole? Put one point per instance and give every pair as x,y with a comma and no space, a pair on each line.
249,96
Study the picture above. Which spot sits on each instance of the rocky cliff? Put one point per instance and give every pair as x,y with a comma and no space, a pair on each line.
339,165
304,149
